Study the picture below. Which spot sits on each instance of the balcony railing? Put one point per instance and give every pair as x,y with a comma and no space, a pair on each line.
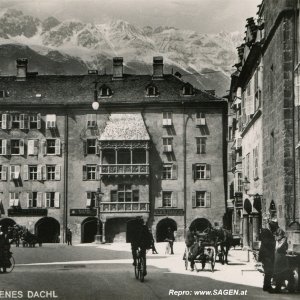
130,169
124,207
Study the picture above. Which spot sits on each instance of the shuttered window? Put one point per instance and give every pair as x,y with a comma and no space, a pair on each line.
201,199
50,121
201,171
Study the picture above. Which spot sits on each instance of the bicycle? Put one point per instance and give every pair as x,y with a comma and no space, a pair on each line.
140,265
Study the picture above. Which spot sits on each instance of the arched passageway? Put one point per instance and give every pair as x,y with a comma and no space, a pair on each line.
48,230
162,228
200,224
116,229
89,230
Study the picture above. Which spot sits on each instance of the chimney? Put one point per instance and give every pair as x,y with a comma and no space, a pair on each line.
117,67
158,67
22,69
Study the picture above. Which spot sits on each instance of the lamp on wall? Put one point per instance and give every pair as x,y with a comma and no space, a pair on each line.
95,103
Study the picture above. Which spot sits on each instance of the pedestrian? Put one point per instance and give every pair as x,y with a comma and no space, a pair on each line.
69,236
154,251
266,256
170,239
281,270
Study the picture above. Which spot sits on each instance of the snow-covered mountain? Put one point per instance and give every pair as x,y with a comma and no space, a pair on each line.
73,47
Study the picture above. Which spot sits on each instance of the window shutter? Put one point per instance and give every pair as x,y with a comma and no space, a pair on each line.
3,147
36,147
207,199
6,147
57,172
43,172
4,173
9,121
208,171
30,147
11,171
26,121
193,199
22,117
174,171
46,199
194,171
174,199
98,176
4,121
17,201
159,200
84,172
29,199
44,147
39,172
97,147
11,201
56,199
39,200
17,172
85,148
88,199
57,147
21,144
25,172
38,121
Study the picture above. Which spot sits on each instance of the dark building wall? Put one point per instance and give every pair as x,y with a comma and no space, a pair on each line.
278,112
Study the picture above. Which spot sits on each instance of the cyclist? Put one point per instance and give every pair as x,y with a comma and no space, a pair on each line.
141,238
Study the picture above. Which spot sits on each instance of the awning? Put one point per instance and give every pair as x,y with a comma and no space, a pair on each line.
125,127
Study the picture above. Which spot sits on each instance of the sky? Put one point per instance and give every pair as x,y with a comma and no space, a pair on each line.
205,16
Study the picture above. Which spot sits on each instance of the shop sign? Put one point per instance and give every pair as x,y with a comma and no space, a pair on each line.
82,212
168,212
26,212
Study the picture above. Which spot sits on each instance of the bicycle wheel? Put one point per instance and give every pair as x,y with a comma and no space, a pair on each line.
11,266
142,269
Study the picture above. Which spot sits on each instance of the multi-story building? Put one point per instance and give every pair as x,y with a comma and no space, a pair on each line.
155,147
269,122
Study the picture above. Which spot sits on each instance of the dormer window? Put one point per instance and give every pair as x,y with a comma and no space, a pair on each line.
187,90
151,90
105,91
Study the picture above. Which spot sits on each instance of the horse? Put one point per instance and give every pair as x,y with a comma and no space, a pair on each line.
223,238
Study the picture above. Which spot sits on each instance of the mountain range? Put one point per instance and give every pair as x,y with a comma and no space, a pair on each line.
73,47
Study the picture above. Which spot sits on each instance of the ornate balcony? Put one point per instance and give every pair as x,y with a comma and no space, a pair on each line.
124,169
124,207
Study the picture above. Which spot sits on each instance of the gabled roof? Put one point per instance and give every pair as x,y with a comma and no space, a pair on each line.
126,126
79,89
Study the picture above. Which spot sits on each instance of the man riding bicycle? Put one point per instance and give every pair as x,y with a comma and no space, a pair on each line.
141,239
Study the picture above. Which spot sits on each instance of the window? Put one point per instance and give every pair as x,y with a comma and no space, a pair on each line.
105,91
52,199
5,121
187,90
14,200
3,173
15,172
32,199
200,119
167,144
35,121
151,91
169,171
91,199
33,170
50,172
239,182
201,199
91,121
50,121
91,146
52,147
167,119
201,145
17,147
4,93
90,172
167,199
125,193
15,121
201,171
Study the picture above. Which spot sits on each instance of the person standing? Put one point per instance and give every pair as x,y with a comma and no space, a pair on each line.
170,239
69,236
266,256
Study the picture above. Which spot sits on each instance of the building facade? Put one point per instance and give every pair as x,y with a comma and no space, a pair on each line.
155,148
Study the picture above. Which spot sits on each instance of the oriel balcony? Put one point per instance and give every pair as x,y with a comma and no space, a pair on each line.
124,169
124,207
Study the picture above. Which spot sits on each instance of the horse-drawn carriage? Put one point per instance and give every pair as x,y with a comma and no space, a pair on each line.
211,245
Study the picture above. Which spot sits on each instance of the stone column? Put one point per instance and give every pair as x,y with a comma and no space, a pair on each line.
103,231
245,230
